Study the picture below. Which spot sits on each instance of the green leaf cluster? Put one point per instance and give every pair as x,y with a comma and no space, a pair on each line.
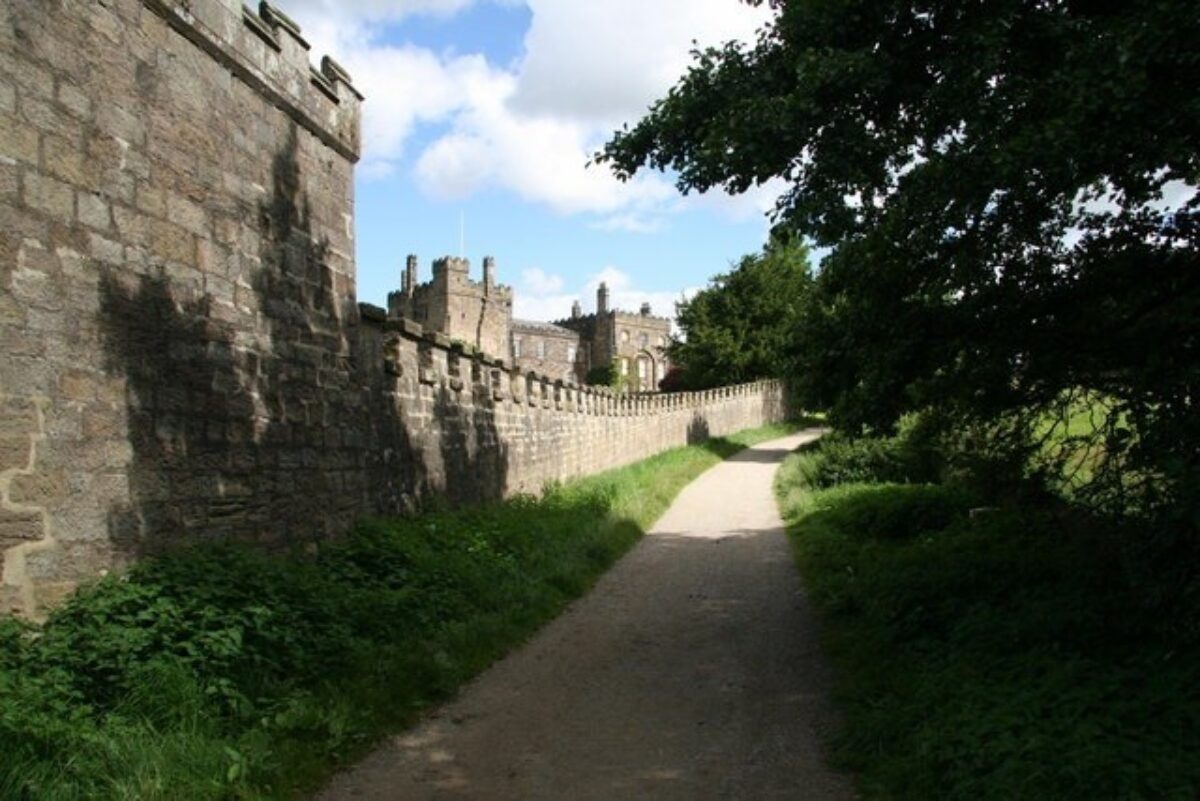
1007,190
740,327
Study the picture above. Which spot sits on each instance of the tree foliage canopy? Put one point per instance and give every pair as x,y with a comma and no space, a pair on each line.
995,179
739,328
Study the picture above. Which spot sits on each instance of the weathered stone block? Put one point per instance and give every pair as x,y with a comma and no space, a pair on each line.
18,142
93,210
74,100
47,117
186,214
44,487
77,385
10,181
23,343
106,250
120,123
51,196
18,417
100,422
15,452
64,159
151,199
31,79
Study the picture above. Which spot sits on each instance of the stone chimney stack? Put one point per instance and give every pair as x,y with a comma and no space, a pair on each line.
645,309
602,299
489,270
410,274
576,311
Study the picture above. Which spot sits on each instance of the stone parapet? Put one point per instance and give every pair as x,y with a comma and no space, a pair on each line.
267,51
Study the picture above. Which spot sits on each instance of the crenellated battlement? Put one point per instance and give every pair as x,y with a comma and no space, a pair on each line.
432,360
267,51
454,304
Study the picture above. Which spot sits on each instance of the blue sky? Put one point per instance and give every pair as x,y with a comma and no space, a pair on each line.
485,112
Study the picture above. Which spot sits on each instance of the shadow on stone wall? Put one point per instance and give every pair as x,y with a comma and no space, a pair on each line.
282,432
474,458
698,430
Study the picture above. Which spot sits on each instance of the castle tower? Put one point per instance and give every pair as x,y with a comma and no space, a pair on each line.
489,272
447,265
410,274
602,299
576,311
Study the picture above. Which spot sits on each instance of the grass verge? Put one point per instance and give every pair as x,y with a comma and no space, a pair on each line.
222,672
1005,656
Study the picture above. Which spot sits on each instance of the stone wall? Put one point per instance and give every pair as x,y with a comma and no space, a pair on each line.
176,282
181,353
550,350
477,428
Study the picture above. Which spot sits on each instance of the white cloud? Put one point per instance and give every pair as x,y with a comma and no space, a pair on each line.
539,158
615,279
360,12
544,308
630,222
539,282
529,129
606,62
541,296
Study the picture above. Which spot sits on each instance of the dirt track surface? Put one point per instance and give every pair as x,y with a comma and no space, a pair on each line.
690,671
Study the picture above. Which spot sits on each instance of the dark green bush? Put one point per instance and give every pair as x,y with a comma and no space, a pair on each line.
894,512
913,455
1007,656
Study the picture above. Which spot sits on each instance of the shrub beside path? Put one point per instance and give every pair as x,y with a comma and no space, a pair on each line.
690,671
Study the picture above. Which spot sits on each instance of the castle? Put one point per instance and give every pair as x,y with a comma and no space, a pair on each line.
183,357
479,313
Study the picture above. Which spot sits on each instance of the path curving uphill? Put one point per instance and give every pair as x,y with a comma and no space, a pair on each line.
690,671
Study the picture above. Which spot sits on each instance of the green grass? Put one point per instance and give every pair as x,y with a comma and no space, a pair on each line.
1003,657
1071,437
222,672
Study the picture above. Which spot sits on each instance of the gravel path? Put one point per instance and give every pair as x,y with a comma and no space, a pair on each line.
690,671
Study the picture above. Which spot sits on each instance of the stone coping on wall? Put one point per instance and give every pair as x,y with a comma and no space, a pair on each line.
265,50
619,314
438,361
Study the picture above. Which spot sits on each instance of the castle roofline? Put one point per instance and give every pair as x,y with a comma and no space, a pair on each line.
542,327
618,313
567,322
425,285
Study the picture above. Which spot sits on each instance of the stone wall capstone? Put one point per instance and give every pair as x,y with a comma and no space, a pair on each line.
182,356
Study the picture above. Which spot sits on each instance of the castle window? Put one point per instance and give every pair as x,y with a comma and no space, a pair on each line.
643,340
516,347
570,354
625,336
624,366
662,342
541,348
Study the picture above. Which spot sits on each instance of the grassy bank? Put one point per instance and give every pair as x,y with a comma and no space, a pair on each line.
222,672
1009,655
